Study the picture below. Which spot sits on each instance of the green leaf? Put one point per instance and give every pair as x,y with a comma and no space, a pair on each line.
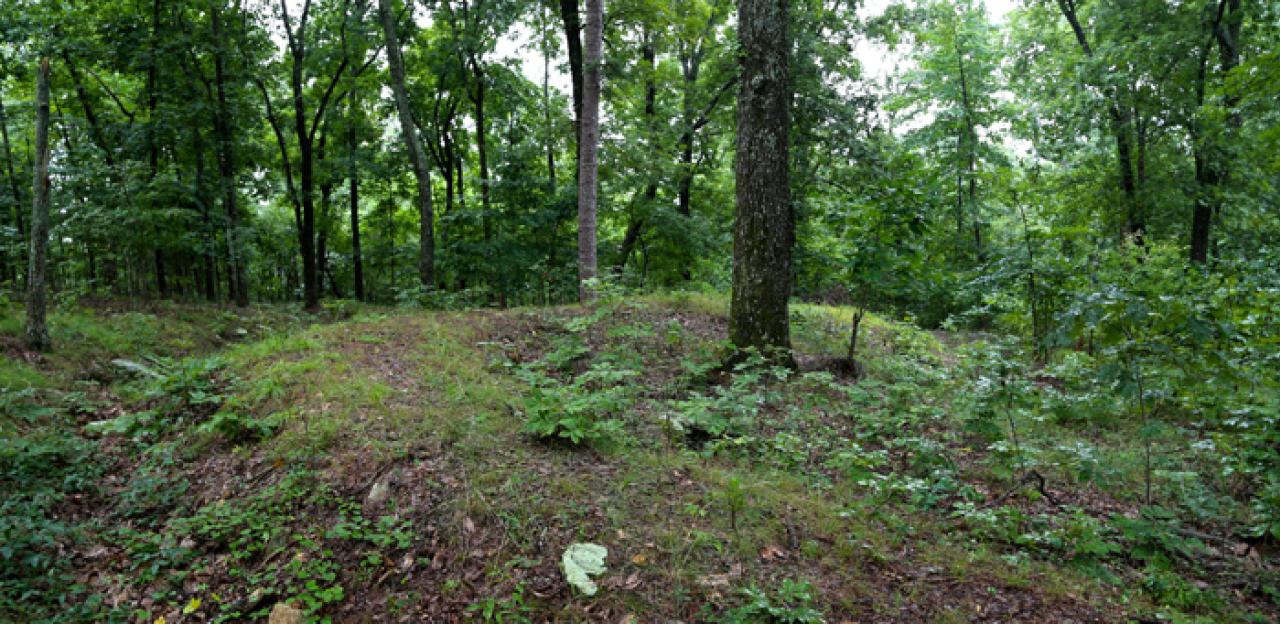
581,561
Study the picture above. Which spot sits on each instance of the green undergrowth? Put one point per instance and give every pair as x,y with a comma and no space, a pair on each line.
947,480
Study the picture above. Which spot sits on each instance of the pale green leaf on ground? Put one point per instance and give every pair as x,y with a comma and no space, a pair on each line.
581,562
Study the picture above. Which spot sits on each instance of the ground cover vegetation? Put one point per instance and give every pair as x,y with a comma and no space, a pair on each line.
507,311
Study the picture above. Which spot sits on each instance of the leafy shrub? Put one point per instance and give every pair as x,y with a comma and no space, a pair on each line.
584,410
730,410
790,604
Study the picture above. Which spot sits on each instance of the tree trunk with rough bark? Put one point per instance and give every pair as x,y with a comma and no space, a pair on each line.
764,224
37,333
589,147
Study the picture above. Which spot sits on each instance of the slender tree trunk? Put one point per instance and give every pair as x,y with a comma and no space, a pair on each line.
207,254
37,333
970,141
353,179
409,132
546,111
588,148
573,43
237,282
482,152
153,147
18,222
764,225
325,222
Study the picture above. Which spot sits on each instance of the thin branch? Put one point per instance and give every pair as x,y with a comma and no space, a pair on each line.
115,98
705,116
284,151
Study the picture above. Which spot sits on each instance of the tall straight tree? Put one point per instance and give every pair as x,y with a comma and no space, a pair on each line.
37,331
237,279
589,147
409,132
353,179
764,224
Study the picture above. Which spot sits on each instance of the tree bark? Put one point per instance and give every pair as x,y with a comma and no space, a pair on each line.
764,224
409,132
589,148
37,333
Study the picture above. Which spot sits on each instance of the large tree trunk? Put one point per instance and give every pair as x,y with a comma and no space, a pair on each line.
589,148
236,279
37,333
764,225
409,132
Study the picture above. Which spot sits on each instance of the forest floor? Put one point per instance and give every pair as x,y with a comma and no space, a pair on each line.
184,463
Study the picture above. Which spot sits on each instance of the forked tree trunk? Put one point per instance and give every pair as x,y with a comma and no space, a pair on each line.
37,332
409,132
764,225
589,147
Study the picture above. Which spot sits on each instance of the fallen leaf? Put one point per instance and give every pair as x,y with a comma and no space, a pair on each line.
582,561
640,559
772,552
